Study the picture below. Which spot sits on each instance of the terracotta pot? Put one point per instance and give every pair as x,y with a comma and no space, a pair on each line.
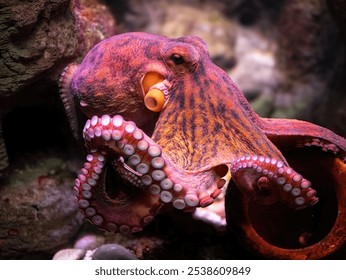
277,232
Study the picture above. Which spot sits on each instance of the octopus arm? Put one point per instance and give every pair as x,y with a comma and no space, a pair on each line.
67,97
287,133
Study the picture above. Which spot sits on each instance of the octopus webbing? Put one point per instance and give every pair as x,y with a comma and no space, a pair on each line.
168,126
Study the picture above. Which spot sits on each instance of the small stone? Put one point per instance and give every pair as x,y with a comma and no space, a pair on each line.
113,252
69,254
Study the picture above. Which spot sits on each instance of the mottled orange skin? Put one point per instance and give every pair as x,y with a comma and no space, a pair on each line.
205,128
208,102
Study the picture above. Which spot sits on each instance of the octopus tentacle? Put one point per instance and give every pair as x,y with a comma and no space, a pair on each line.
101,209
67,97
143,165
259,176
295,133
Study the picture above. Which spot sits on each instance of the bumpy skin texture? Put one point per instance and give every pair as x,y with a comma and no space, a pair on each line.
204,135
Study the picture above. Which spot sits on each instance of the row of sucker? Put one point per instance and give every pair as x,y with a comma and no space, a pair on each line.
86,180
295,190
85,188
320,143
144,159
324,145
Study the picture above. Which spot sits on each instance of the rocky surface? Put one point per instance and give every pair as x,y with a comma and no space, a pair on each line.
35,37
40,37
37,40
38,212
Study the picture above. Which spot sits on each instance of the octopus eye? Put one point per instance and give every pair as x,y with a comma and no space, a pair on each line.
177,59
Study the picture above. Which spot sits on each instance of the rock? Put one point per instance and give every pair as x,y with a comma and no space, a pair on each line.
39,37
38,212
255,51
69,254
113,252
37,40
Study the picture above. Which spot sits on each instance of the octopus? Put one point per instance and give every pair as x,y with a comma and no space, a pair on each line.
166,126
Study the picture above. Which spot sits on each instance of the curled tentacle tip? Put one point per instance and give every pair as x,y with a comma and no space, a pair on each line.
154,100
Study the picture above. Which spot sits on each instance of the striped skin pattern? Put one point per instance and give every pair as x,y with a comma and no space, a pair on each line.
184,153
